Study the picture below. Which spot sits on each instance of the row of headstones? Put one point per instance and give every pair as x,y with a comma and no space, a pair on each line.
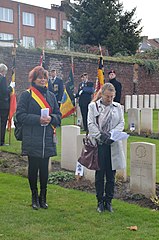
142,101
141,120
142,161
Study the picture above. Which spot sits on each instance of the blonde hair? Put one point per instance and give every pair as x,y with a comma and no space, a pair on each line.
106,86
109,87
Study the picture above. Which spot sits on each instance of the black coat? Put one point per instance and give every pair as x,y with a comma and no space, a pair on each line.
118,88
85,91
57,88
4,93
37,141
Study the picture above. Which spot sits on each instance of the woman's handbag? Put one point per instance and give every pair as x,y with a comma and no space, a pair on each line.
89,155
18,129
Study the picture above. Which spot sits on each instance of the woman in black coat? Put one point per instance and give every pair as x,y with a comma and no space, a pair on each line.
38,138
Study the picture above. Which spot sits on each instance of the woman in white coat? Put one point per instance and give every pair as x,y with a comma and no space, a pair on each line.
103,116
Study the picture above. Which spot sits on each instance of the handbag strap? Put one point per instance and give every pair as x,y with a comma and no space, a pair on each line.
97,120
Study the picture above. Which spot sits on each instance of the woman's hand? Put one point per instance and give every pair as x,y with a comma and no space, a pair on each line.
45,120
105,138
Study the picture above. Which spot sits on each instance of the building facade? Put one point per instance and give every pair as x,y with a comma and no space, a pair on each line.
31,26
149,44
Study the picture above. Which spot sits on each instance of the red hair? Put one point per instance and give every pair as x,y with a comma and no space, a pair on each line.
37,72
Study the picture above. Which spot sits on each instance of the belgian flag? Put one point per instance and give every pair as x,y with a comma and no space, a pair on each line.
68,101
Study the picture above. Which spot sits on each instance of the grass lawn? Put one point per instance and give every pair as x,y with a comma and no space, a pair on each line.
71,215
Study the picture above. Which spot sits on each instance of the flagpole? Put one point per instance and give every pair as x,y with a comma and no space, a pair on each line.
100,49
75,112
13,79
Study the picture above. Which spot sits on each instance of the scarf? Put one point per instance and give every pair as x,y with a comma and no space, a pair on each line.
105,119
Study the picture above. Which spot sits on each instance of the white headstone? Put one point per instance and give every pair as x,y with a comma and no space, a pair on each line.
143,168
134,120
79,116
121,174
152,101
134,101
122,107
69,146
140,101
157,101
50,165
146,120
127,102
146,101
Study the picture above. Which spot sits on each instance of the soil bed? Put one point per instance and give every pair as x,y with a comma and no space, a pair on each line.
15,164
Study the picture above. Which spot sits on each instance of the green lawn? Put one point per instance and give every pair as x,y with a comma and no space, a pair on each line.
71,215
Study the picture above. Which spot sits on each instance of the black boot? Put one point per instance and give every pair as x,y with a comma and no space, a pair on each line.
35,200
108,207
42,199
100,207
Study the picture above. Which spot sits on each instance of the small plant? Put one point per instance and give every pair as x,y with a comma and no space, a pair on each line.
60,176
155,200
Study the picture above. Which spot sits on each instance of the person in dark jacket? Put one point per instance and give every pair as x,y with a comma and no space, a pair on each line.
116,84
85,91
55,85
5,91
38,138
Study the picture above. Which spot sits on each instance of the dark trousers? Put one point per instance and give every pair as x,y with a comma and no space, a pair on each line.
84,112
3,122
38,165
105,186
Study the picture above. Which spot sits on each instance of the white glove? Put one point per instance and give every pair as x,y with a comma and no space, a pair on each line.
80,92
12,84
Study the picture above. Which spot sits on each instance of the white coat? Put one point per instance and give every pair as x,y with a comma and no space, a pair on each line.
117,153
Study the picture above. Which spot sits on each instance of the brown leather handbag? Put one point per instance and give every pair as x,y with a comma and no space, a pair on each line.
89,155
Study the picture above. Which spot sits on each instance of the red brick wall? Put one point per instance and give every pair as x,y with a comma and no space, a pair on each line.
27,59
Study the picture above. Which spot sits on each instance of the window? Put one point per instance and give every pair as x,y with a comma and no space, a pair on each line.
28,19
52,44
66,25
6,14
51,23
28,42
6,36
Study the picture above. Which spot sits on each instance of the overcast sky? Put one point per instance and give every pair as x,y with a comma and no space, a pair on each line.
146,10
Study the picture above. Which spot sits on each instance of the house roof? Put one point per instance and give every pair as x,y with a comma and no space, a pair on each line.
148,44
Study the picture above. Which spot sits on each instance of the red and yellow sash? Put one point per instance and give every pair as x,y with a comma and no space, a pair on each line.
39,98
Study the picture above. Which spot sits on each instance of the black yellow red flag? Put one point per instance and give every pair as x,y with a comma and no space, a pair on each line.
100,73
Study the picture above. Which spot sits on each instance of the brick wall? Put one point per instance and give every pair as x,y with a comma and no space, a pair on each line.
28,59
